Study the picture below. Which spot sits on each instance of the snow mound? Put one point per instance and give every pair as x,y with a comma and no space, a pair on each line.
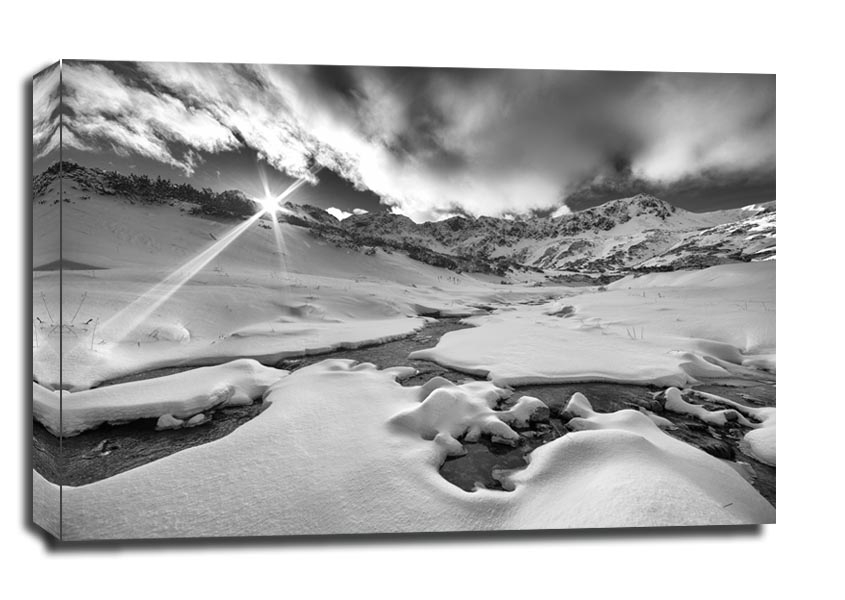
578,407
459,411
762,443
174,400
620,469
526,410
328,456
676,403
169,332
761,440
449,412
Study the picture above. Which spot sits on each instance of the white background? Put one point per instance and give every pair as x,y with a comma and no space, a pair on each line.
800,555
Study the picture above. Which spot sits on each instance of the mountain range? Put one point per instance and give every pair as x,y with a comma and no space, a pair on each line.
637,234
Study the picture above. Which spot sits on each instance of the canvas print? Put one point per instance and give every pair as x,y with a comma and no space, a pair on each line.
286,300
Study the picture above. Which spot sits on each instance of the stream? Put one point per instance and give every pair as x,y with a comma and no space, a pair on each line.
111,449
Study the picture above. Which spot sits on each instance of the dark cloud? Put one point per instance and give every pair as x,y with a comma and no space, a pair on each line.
434,142
700,192
335,79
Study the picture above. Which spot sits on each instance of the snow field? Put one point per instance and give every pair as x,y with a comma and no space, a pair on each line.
667,329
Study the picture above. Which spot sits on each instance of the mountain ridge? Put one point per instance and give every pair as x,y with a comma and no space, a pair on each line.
641,233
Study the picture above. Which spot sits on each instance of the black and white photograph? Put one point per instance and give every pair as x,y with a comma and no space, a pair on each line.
294,300
276,300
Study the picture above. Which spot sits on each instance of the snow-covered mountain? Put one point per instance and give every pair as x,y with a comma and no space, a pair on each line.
641,233
638,233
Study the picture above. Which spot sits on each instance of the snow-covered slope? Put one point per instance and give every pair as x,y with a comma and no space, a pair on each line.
751,237
142,287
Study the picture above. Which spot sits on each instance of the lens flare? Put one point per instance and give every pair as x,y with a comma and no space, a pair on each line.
127,320
268,204
272,205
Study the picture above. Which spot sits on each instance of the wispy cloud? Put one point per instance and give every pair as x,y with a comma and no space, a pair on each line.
105,109
45,111
432,142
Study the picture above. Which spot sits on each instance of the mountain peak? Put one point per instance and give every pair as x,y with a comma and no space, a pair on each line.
647,204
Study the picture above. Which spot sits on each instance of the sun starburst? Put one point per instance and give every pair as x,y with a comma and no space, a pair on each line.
268,203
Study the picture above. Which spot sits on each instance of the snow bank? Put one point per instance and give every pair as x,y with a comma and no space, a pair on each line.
661,422
173,399
667,329
621,470
761,440
513,350
675,403
342,448
266,342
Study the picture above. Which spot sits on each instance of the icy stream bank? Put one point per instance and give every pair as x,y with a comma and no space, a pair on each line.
106,451
111,449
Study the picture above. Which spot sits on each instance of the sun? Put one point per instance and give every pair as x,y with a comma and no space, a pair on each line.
268,203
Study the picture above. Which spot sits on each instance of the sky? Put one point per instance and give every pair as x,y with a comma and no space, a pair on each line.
425,142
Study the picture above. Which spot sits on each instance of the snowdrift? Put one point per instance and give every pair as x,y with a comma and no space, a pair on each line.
179,397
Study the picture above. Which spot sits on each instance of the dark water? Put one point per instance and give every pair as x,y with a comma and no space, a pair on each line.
477,468
395,354
109,450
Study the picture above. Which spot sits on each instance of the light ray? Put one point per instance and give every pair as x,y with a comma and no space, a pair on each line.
280,244
127,320
124,322
272,205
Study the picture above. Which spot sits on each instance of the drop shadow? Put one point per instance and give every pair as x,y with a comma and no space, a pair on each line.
26,319
425,539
